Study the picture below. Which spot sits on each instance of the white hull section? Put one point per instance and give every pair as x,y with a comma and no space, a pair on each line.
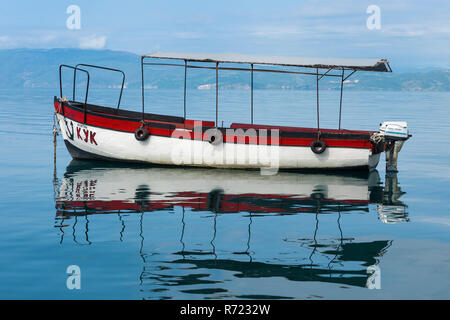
123,146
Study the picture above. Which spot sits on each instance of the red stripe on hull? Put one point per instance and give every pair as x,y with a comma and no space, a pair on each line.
131,126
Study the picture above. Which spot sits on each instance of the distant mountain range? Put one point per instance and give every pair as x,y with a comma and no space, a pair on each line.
38,68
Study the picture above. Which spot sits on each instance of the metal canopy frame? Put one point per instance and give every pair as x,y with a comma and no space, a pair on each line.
381,65
77,68
252,69
102,68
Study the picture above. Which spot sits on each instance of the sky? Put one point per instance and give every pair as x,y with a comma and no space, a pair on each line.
410,34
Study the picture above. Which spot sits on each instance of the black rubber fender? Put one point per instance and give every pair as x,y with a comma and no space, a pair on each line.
214,136
141,134
318,146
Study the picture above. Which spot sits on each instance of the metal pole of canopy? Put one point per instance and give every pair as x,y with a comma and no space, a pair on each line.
340,101
103,68
185,73
251,88
324,74
350,75
317,99
142,77
217,93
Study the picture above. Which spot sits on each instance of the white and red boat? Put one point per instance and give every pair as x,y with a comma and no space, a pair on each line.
107,133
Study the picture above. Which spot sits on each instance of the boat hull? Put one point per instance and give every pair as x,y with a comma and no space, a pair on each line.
85,141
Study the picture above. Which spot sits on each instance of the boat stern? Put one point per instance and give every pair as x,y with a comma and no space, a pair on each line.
394,135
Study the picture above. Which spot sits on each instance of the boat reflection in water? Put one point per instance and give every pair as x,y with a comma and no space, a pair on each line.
91,188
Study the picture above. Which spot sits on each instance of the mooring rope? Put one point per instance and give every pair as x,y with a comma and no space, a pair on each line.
376,137
55,135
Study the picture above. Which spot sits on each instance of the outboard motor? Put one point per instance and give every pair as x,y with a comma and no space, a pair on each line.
395,133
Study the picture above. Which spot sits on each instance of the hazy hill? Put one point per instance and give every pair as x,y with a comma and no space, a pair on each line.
39,68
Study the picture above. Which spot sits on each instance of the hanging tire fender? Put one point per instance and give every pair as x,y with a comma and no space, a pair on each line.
141,134
318,146
214,136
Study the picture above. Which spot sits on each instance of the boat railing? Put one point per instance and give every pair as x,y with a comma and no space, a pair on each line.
87,84
103,68
77,68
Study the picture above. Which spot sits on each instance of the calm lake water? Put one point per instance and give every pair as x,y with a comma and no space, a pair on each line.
139,232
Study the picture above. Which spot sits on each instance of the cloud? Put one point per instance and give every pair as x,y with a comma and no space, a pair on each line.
51,39
5,42
92,42
275,31
403,30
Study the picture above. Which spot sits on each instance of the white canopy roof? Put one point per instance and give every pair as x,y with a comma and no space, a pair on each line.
380,65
